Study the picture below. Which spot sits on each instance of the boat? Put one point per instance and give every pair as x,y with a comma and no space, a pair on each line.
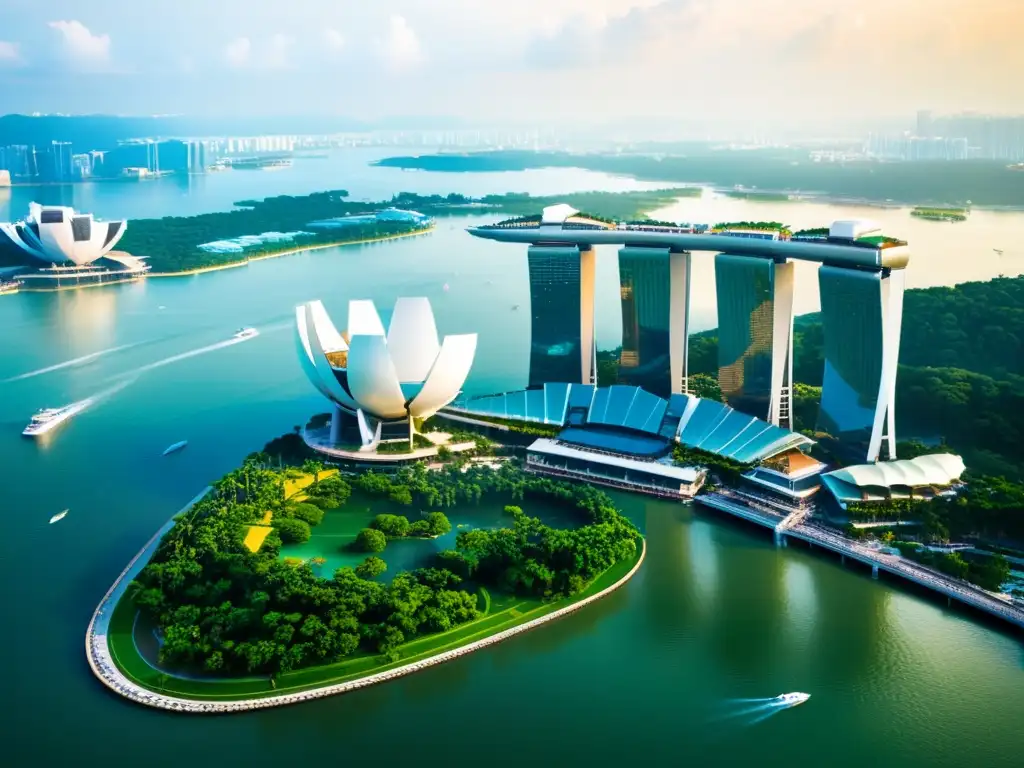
49,418
11,286
246,333
998,251
59,516
176,447
791,699
515,307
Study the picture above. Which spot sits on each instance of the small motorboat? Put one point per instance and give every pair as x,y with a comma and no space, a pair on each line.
174,448
998,251
792,699
59,516
246,333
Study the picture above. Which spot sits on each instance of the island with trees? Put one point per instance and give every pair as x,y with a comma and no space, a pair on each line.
980,183
215,617
280,225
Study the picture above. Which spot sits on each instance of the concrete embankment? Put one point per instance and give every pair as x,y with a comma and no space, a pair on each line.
103,666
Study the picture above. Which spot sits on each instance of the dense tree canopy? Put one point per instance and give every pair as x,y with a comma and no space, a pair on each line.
224,609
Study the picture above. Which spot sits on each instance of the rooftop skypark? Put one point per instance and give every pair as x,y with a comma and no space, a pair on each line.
861,287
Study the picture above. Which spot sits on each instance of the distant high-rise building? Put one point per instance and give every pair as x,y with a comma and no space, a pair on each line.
59,165
924,123
172,156
197,162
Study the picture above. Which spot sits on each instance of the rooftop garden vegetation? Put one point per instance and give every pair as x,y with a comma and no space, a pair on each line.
940,214
227,611
760,226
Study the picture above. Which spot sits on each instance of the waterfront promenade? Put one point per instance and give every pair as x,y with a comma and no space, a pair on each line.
103,666
808,531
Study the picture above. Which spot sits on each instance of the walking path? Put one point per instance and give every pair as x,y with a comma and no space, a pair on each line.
103,666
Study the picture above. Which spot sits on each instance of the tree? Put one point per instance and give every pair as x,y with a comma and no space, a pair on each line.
314,468
392,526
308,513
371,568
292,530
371,540
438,523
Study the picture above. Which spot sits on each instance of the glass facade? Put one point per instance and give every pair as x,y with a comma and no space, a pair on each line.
745,325
555,307
852,323
645,290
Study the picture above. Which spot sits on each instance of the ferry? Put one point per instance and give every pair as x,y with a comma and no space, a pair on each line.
50,418
246,333
173,448
792,699
59,516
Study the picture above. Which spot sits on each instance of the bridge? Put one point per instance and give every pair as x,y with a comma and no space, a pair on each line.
797,526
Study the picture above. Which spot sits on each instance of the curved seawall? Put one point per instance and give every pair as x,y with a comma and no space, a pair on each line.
103,666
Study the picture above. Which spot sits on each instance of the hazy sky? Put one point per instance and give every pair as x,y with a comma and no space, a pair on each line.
555,60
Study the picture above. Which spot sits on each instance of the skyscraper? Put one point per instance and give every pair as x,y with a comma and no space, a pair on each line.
562,315
653,285
755,335
861,316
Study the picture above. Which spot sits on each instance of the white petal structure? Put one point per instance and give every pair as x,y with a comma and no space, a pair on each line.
57,235
376,377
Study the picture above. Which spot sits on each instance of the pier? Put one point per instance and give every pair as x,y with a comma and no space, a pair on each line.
797,526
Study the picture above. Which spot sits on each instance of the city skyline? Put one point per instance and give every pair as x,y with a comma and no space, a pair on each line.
495,59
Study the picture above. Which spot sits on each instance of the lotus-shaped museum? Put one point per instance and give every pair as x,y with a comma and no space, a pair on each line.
381,383
58,234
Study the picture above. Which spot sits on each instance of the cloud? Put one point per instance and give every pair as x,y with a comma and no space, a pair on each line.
9,53
334,40
401,47
278,53
237,52
240,53
82,45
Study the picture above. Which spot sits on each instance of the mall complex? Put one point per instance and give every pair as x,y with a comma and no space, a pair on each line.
629,434
647,431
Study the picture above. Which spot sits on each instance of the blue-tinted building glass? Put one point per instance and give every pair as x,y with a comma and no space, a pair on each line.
851,315
555,334
751,444
599,406
725,432
644,405
745,321
556,397
516,404
645,296
620,399
535,405
705,417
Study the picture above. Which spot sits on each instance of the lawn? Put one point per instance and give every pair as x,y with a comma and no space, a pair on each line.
294,486
502,612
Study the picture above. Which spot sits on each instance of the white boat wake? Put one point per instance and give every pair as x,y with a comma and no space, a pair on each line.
754,711
69,363
184,356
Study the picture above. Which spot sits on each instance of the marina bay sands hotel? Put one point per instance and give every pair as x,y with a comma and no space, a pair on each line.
861,281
